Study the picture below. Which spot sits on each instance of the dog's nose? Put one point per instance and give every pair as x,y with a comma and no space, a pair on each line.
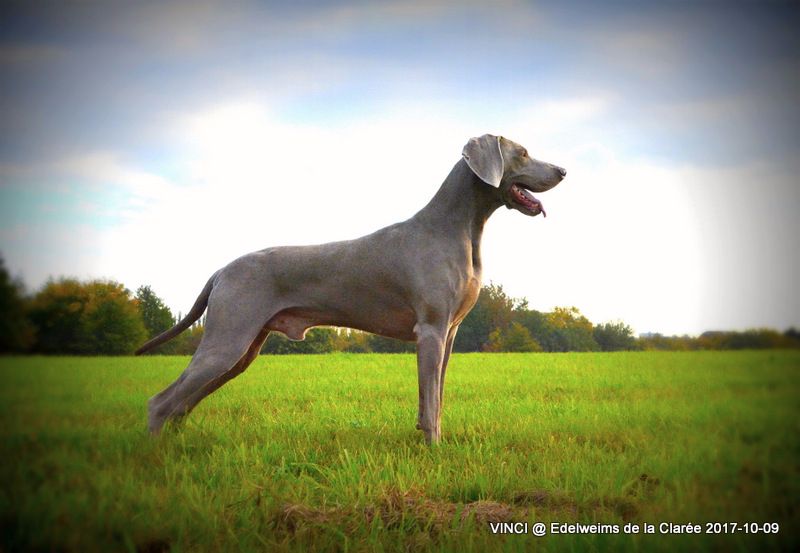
562,171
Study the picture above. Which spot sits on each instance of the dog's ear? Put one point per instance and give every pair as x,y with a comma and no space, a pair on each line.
484,157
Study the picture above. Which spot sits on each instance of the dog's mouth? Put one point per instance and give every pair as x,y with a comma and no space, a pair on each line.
525,201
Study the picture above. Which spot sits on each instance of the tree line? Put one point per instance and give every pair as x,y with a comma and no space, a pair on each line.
102,317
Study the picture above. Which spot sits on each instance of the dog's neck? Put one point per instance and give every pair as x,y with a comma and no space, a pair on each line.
463,204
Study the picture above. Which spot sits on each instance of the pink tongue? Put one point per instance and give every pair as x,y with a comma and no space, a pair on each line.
530,201
540,206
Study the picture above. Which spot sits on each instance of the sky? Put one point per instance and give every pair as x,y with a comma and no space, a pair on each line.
153,143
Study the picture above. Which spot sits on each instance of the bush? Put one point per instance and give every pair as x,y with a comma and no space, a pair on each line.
96,317
614,337
381,344
318,340
516,339
16,331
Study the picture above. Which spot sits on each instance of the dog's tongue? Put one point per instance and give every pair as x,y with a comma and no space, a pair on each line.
534,202
529,201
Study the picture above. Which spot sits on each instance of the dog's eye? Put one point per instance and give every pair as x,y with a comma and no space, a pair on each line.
524,153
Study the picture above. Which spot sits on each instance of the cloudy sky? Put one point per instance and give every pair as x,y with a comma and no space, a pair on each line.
154,143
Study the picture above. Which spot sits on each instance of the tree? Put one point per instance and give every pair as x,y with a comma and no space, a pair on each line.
57,313
569,330
381,344
156,316
536,324
656,341
758,338
96,317
614,336
16,331
317,340
493,310
794,336
351,341
186,343
516,338
112,319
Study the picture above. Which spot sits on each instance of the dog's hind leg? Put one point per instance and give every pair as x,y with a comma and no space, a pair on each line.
229,345
238,368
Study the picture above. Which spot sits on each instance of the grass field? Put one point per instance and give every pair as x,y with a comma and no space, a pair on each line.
306,453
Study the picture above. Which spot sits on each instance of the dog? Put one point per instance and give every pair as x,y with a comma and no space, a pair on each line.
414,281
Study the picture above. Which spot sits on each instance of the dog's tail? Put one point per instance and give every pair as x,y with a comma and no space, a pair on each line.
197,309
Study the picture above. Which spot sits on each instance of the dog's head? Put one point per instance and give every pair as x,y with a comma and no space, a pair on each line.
507,166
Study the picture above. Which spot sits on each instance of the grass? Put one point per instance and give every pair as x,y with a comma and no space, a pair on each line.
319,453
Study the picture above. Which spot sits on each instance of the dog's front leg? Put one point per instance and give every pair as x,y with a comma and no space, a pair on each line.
430,353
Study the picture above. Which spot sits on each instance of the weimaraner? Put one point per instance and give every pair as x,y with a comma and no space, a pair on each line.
415,281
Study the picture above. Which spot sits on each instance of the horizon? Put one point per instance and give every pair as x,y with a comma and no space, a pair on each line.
518,302
153,144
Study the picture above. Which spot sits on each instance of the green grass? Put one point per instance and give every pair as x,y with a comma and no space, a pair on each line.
306,453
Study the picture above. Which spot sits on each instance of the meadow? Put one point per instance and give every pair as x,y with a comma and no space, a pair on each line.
319,453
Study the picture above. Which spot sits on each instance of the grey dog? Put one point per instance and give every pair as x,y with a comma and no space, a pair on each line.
414,281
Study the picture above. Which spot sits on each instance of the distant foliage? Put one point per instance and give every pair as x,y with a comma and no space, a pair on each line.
351,341
614,337
516,338
493,310
568,330
652,342
57,313
156,316
499,322
16,331
184,344
318,340
760,338
381,344
68,316
96,317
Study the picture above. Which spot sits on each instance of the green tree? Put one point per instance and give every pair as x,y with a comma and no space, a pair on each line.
516,338
351,341
186,343
96,317
569,330
156,316
655,341
113,320
614,336
757,338
537,325
16,331
793,336
57,313
381,344
493,310
317,340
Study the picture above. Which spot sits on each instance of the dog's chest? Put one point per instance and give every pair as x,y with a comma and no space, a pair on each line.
469,295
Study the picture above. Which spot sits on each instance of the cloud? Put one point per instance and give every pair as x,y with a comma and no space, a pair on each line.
654,245
644,53
176,138
124,71
28,54
198,27
620,242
